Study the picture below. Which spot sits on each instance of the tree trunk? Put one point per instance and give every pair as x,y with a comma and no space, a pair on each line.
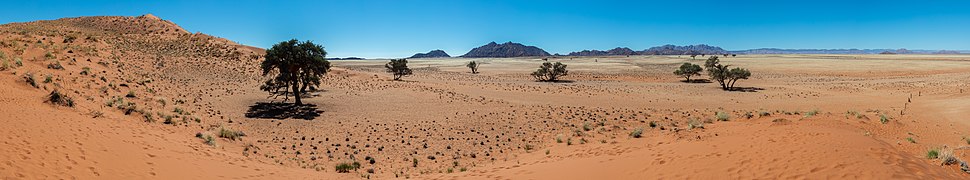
296,92
688,79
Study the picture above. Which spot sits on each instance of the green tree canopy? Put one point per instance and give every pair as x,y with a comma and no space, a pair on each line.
687,70
295,66
550,72
398,67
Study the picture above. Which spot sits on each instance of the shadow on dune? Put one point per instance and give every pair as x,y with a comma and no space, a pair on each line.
265,110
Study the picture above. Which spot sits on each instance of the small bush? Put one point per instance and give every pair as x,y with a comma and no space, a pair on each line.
933,154
722,116
587,126
811,113
694,123
764,114
883,118
29,78
48,78
131,94
911,140
414,162
49,55
55,65
549,72
206,138
559,138
230,134
56,97
18,61
149,118
85,71
637,133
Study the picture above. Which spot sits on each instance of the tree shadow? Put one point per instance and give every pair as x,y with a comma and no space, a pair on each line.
746,89
697,81
265,110
558,81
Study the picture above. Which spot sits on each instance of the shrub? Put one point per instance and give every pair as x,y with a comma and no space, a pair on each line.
18,61
694,123
29,78
653,124
149,117
687,70
559,138
49,55
414,162
883,118
722,116
473,66
206,138
764,113
398,67
548,72
230,134
637,133
811,113
587,126
57,98
131,94
933,154
55,65
4,65
85,71
48,78
911,140
947,157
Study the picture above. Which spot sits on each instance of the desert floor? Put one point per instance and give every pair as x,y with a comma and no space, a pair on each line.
802,117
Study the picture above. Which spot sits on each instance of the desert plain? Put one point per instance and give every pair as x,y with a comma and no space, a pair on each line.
152,101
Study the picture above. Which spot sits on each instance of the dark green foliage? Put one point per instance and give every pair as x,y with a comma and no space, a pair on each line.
295,66
398,67
473,66
346,167
55,97
550,72
687,70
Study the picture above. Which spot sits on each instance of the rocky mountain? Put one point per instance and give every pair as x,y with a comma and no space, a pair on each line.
433,54
683,50
508,49
619,51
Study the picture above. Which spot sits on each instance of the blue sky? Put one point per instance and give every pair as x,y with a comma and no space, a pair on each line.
399,28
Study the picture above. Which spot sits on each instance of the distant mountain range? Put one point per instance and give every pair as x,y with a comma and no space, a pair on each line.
511,49
844,51
508,49
433,54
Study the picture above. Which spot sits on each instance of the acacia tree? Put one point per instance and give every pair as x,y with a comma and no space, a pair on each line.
296,66
717,71
550,72
723,75
687,70
398,67
473,66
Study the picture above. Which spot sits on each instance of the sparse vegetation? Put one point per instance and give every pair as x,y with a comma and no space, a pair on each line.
230,134
56,65
398,68
883,118
58,98
345,167
911,140
811,113
687,70
693,123
722,116
295,66
29,78
549,72
637,133
933,154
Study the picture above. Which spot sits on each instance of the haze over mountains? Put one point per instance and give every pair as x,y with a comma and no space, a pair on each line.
511,49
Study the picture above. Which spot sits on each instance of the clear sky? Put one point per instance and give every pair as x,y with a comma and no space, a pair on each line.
400,28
